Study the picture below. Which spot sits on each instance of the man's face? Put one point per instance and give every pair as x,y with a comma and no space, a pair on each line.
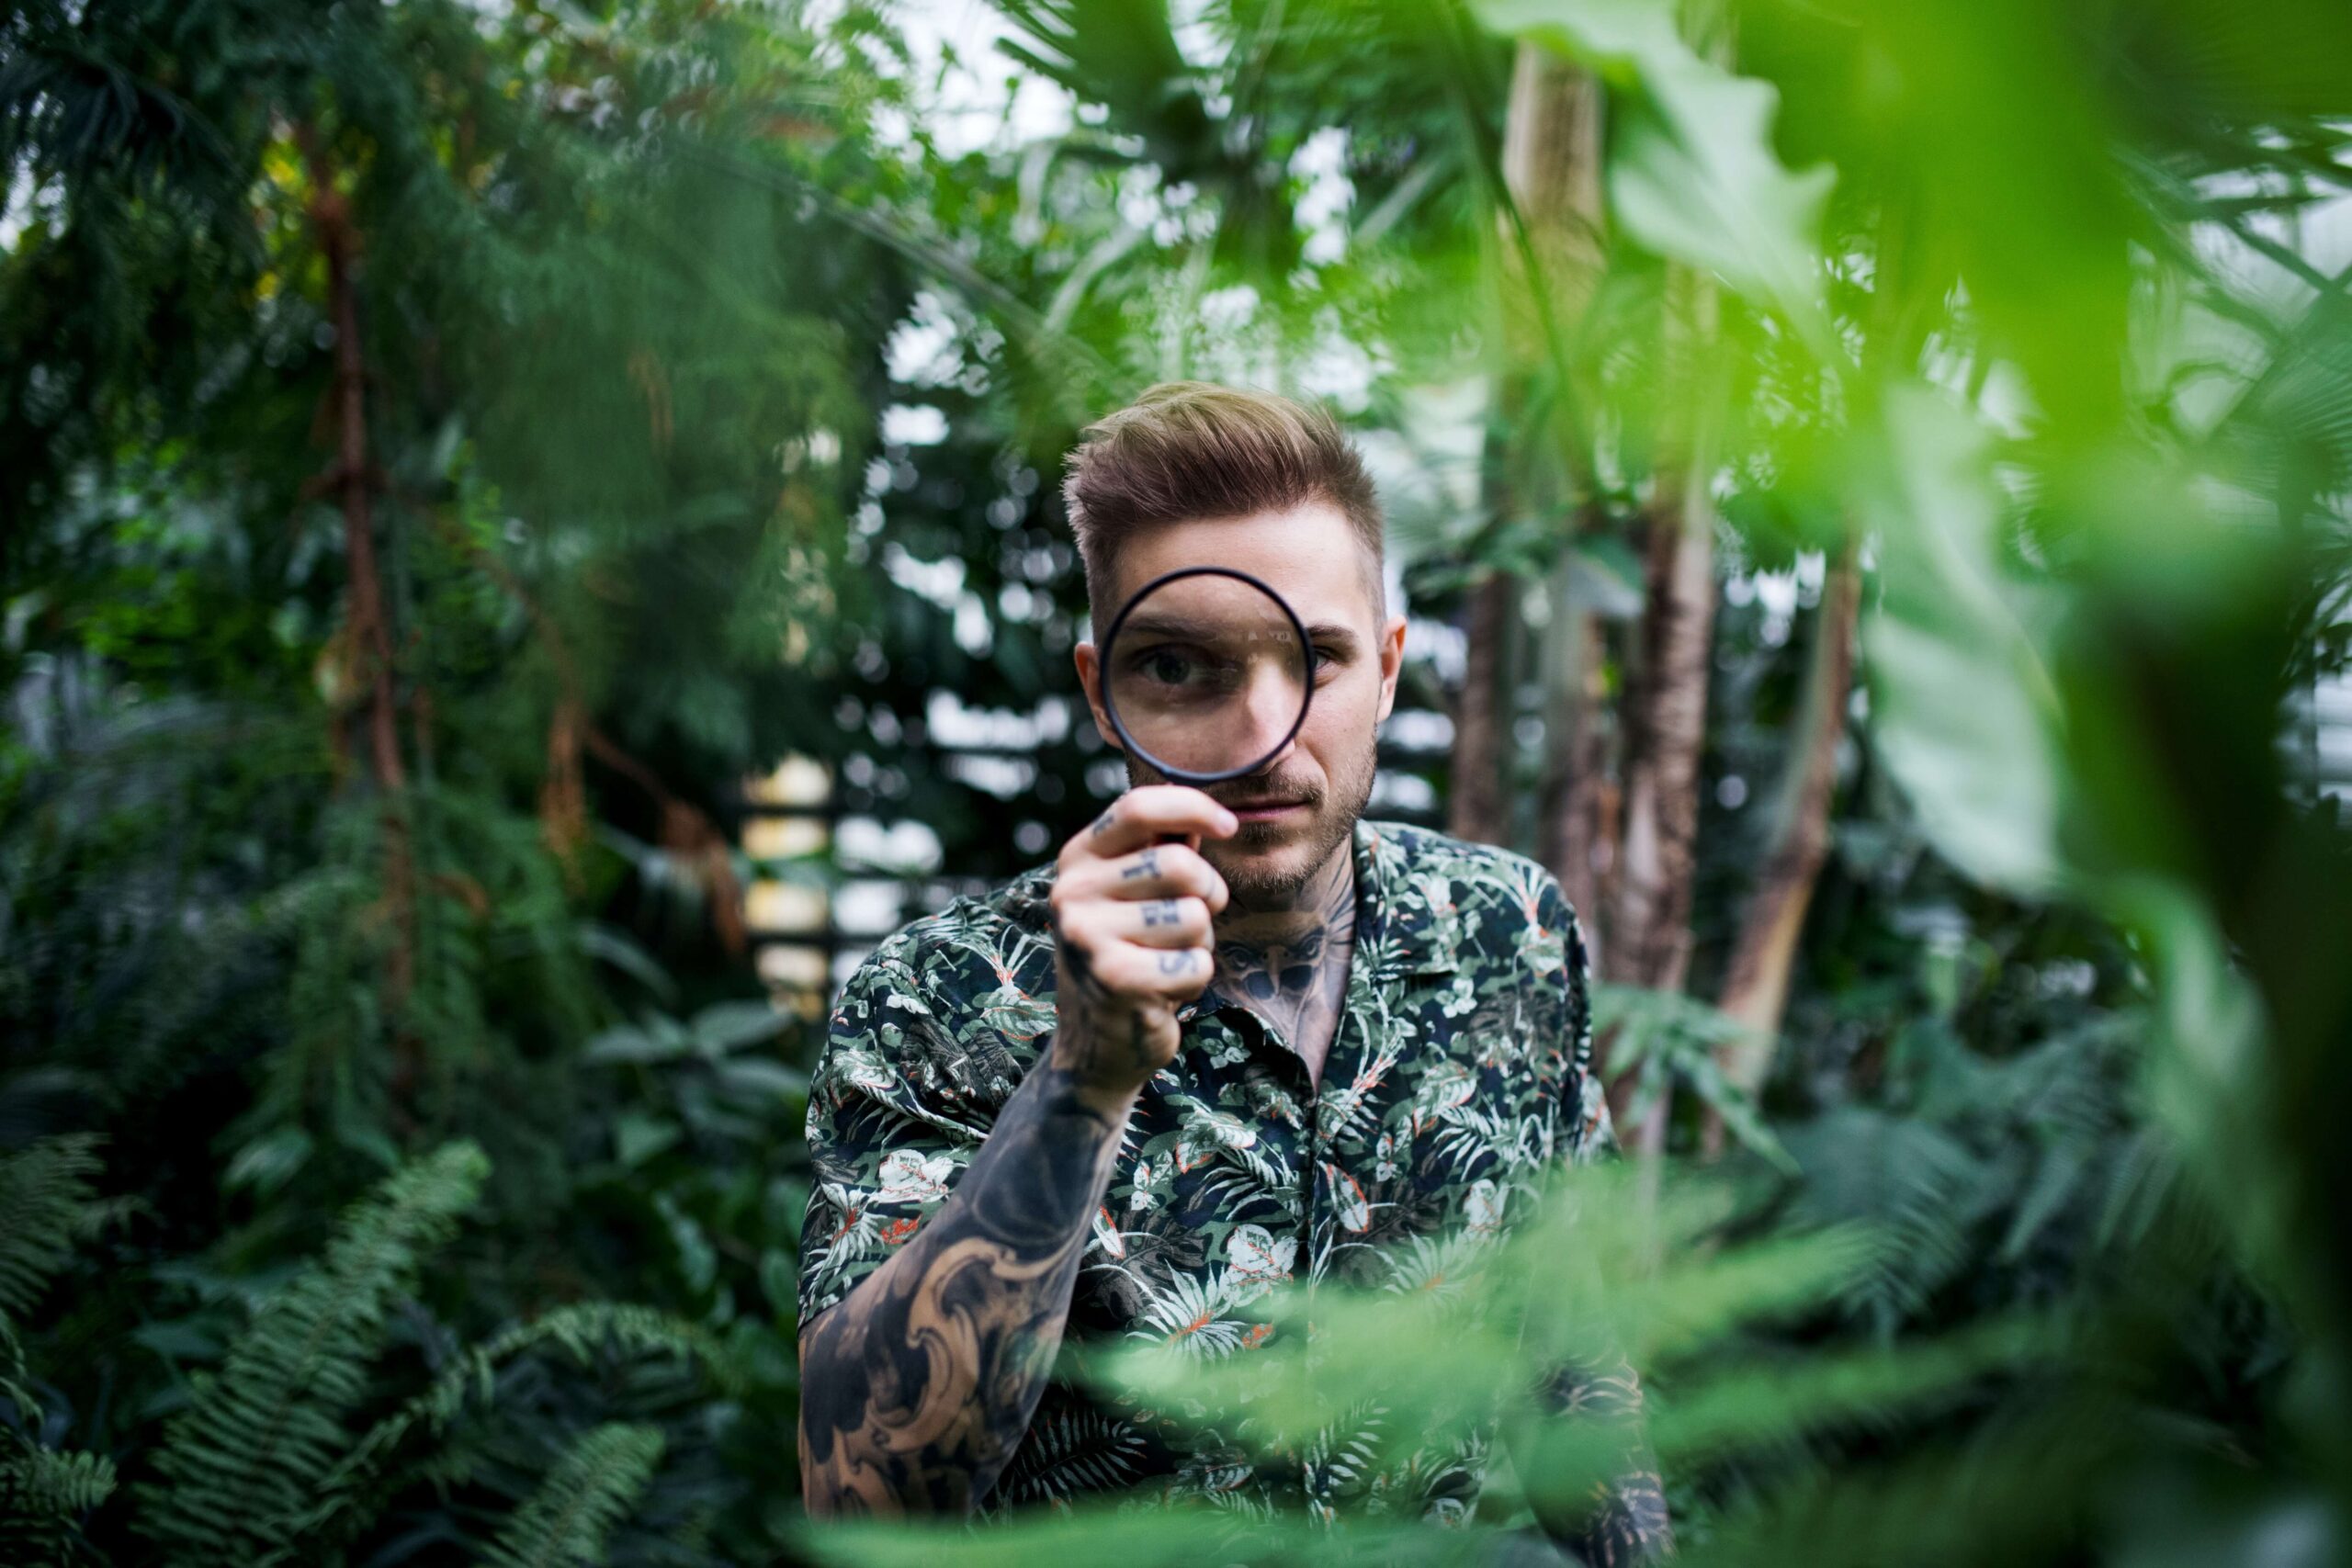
1310,794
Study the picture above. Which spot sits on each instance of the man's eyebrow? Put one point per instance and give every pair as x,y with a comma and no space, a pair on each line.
1172,625
1343,639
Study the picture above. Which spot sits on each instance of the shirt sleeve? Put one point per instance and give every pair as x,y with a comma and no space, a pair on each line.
1626,1521
884,1151
1589,1135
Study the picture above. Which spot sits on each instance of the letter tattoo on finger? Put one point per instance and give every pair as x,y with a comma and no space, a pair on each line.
1160,912
1177,961
1146,864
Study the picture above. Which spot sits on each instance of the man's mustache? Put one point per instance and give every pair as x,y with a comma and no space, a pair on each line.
1242,794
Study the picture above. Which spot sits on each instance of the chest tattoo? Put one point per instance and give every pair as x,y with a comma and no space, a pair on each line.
1290,966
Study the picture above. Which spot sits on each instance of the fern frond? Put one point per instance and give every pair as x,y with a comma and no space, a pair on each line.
12,1372
41,1493
45,1196
241,1467
591,1490
1909,1183
351,1495
40,1482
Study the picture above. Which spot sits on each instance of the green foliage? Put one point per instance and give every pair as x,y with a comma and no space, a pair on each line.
422,1438
1945,624
43,1494
567,1519
2028,1250
1663,1038
46,1204
40,1486
1692,173
1674,1275
594,315
45,1198
240,1467
266,1463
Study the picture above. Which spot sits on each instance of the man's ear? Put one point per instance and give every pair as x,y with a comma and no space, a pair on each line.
1392,662
1089,681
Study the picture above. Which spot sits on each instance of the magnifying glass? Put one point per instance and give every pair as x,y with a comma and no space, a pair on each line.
1205,675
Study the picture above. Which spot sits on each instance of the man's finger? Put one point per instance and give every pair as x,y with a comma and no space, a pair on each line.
1146,814
1178,974
1156,871
1166,922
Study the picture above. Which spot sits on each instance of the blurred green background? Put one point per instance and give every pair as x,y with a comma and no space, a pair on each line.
529,539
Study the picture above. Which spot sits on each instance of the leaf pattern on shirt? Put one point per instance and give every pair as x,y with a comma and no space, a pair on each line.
1460,1074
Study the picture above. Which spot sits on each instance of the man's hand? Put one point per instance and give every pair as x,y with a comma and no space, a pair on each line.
1131,922
917,1387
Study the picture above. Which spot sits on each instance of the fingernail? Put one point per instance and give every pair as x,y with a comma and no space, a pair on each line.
1231,822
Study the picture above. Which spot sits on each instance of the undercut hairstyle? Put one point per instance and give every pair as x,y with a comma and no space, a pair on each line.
1186,451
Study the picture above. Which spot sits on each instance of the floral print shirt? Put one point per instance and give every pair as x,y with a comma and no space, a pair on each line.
1461,1069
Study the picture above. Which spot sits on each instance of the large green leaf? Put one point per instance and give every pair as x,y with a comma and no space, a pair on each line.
1692,173
1962,711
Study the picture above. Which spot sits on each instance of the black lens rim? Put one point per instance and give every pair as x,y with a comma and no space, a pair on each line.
1111,706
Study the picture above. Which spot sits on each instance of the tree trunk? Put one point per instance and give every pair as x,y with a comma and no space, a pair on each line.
1665,728
1579,815
1550,170
1666,710
366,631
1665,720
1755,985
367,624
1476,810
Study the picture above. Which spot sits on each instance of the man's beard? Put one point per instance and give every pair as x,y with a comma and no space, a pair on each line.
1255,882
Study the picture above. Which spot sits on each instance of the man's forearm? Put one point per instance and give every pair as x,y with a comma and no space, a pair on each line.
1623,1522
917,1387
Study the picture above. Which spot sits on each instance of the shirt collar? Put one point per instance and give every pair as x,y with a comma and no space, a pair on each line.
1397,929
1400,928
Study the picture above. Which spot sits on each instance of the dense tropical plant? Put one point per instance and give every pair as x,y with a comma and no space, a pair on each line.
1870,486
401,575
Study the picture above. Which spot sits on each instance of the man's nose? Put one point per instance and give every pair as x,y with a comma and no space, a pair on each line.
1274,701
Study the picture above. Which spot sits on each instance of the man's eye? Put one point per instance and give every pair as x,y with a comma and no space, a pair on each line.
1325,656
1166,666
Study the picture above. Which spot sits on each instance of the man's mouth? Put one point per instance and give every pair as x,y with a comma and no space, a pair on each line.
1264,810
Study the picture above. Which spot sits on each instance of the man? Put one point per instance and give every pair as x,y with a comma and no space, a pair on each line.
1127,1095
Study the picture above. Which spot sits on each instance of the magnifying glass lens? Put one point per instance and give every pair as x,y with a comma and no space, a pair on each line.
1206,674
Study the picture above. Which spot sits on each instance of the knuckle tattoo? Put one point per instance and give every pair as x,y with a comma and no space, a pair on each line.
1161,913
1144,865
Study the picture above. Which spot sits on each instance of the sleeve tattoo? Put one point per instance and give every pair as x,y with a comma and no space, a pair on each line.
1625,1522
917,1386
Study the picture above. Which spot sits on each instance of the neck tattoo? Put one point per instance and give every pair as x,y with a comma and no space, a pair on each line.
1288,963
